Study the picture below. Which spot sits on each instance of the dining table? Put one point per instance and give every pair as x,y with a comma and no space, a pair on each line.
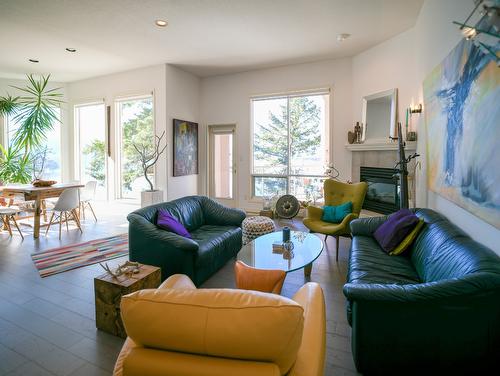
36,194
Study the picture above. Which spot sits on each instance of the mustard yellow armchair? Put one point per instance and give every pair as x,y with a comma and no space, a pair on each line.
178,330
336,193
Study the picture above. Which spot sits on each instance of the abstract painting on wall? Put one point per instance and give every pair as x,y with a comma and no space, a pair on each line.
462,113
185,148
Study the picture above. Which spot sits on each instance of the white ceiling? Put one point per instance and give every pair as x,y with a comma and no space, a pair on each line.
206,37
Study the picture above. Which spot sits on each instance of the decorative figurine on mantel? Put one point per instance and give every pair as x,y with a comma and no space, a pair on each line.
356,136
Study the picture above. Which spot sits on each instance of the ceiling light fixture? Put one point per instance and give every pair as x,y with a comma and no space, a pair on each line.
342,37
71,49
33,60
161,23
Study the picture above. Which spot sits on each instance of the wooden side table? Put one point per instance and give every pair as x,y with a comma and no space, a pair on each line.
109,290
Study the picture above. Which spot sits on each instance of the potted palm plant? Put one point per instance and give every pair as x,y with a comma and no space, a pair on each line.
149,155
34,111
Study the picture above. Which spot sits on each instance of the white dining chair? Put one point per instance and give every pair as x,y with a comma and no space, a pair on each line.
87,194
65,210
8,214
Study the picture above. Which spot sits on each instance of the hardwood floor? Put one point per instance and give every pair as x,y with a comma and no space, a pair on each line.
47,325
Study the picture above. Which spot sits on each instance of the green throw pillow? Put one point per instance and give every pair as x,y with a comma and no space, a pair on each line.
408,240
336,214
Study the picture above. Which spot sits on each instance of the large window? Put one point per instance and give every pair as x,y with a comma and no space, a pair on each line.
290,145
47,156
91,128
136,126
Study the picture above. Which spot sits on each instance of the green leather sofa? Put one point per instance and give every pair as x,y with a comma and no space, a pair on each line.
215,230
435,309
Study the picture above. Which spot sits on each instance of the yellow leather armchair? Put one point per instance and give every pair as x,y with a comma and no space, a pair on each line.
336,193
179,330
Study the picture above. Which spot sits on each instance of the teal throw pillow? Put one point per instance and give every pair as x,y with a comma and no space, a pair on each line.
336,214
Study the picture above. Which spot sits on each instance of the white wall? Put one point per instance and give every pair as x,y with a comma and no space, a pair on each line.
182,102
403,62
135,82
6,88
226,100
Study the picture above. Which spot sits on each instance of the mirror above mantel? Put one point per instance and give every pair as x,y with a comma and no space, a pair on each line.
379,117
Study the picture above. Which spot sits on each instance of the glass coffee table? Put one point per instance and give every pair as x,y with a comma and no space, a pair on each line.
259,253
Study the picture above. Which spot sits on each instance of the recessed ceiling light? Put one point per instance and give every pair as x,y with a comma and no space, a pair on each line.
342,37
33,60
71,49
161,23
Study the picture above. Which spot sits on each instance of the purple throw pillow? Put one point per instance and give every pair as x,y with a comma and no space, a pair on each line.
166,222
392,232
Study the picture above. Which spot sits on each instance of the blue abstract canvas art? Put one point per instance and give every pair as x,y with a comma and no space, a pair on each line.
462,113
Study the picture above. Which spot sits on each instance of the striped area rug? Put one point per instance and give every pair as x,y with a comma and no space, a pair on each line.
58,260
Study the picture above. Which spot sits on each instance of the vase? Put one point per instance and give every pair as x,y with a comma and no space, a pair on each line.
151,197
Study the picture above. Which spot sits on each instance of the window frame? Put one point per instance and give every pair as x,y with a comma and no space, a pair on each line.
287,95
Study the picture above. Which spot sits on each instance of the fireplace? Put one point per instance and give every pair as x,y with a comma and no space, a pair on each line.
383,189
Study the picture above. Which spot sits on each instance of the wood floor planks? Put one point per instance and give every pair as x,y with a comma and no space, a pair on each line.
47,326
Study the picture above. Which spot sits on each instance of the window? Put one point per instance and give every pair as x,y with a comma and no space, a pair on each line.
91,146
136,126
290,145
51,148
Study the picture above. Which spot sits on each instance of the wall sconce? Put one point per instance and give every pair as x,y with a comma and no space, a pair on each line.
484,32
416,109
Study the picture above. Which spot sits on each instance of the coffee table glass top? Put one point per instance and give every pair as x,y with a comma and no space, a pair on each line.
259,252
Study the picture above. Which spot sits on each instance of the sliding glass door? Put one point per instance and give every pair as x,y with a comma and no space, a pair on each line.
136,131
91,127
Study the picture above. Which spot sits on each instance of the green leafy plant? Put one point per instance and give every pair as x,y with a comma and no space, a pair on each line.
35,112
15,166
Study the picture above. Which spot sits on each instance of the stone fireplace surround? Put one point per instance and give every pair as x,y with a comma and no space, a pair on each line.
364,155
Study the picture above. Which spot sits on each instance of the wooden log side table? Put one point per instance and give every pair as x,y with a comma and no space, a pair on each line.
109,290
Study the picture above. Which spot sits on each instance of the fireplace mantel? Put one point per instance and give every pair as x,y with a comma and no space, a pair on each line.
370,146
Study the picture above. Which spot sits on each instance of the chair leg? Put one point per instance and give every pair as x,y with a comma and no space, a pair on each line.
92,210
7,224
67,220
18,229
77,220
337,247
50,222
60,224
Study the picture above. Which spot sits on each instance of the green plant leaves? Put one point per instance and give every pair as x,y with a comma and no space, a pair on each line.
36,112
15,166
8,104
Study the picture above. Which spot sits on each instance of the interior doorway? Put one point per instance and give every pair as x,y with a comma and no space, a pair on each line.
222,164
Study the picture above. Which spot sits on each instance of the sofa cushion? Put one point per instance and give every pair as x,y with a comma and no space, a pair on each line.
336,214
217,244
216,322
166,222
397,226
370,264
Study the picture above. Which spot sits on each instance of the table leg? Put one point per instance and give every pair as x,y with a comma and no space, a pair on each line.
308,270
38,211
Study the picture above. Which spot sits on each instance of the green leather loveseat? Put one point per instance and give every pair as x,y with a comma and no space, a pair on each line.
215,230
434,310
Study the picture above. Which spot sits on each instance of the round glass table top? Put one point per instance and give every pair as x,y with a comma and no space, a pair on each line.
261,254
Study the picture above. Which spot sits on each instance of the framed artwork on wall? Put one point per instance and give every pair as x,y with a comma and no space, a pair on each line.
461,100
185,148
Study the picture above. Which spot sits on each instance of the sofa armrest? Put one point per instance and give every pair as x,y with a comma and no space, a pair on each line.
178,281
366,226
150,245
474,284
311,355
217,214
315,213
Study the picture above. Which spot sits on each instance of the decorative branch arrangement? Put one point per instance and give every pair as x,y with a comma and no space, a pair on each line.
150,155
127,267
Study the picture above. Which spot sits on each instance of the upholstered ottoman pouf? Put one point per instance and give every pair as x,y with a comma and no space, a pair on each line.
253,227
